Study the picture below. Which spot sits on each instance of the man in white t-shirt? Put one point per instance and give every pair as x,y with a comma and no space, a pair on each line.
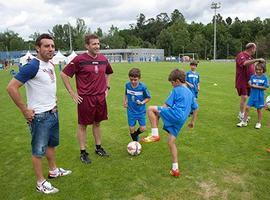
41,114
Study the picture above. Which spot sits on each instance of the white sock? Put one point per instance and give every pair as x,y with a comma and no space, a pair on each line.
54,171
40,183
154,131
175,166
241,114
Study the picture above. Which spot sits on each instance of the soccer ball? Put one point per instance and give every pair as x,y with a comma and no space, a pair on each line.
134,148
267,102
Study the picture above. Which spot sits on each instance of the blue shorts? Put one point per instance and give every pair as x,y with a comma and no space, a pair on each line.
170,124
255,103
44,129
132,119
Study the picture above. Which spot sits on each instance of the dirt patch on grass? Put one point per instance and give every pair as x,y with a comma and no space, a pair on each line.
209,190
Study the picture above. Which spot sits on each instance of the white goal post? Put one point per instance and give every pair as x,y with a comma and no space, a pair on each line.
186,57
114,57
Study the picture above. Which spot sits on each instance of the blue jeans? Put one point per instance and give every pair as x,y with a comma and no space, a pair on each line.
44,129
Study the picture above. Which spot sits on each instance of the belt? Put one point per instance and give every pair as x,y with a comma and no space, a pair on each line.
53,110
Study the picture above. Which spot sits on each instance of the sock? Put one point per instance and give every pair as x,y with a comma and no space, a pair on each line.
175,166
241,114
138,132
54,171
154,131
98,146
40,183
133,136
83,151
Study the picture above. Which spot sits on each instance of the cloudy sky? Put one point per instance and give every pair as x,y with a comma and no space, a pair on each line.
28,16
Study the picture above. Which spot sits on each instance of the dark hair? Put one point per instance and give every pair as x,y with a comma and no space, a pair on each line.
194,62
262,65
134,72
177,74
250,45
87,38
43,36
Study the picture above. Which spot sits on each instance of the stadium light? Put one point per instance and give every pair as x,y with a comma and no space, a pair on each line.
215,6
70,40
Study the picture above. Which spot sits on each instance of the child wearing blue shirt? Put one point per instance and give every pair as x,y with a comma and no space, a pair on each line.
258,83
135,98
193,78
173,113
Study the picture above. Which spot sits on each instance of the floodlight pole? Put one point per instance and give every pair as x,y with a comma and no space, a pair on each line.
70,40
215,6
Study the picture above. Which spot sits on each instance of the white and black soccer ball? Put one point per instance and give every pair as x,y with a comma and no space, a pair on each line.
134,148
267,102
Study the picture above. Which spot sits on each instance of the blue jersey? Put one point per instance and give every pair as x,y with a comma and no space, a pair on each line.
256,98
194,79
182,102
133,94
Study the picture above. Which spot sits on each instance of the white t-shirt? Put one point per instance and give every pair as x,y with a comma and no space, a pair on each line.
40,83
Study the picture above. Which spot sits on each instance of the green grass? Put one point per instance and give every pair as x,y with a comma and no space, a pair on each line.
217,159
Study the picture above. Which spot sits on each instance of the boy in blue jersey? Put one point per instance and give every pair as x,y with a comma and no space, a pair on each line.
136,96
193,78
173,113
258,83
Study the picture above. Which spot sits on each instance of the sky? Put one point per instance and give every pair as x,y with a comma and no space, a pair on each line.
28,16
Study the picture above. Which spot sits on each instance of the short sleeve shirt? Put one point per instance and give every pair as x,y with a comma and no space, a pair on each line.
194,79
133,94
40,83
90,73
243,73
255,93
181,101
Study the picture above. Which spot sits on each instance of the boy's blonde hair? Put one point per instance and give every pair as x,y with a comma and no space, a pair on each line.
177,74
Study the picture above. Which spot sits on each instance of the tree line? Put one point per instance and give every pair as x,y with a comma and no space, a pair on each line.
169,32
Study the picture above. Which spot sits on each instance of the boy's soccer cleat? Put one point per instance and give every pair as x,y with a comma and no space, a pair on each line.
175,173
258,125
151,138
85,158
46,188
58,172
101,152
242,124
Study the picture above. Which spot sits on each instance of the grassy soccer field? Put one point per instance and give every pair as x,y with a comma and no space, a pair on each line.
217,159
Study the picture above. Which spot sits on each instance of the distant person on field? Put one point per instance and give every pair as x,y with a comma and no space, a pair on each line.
244,70
258,83
193,78
6,64
135,99
92,71
60,66
28,59
174,114
40,112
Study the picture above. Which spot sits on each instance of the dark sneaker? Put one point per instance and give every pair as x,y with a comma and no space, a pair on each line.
85,158
101,152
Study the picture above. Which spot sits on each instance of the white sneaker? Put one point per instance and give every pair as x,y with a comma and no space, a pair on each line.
258,125
58,172
242,124
46,188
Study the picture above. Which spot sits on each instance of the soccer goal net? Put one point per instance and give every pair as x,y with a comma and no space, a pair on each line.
114,58
187,57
